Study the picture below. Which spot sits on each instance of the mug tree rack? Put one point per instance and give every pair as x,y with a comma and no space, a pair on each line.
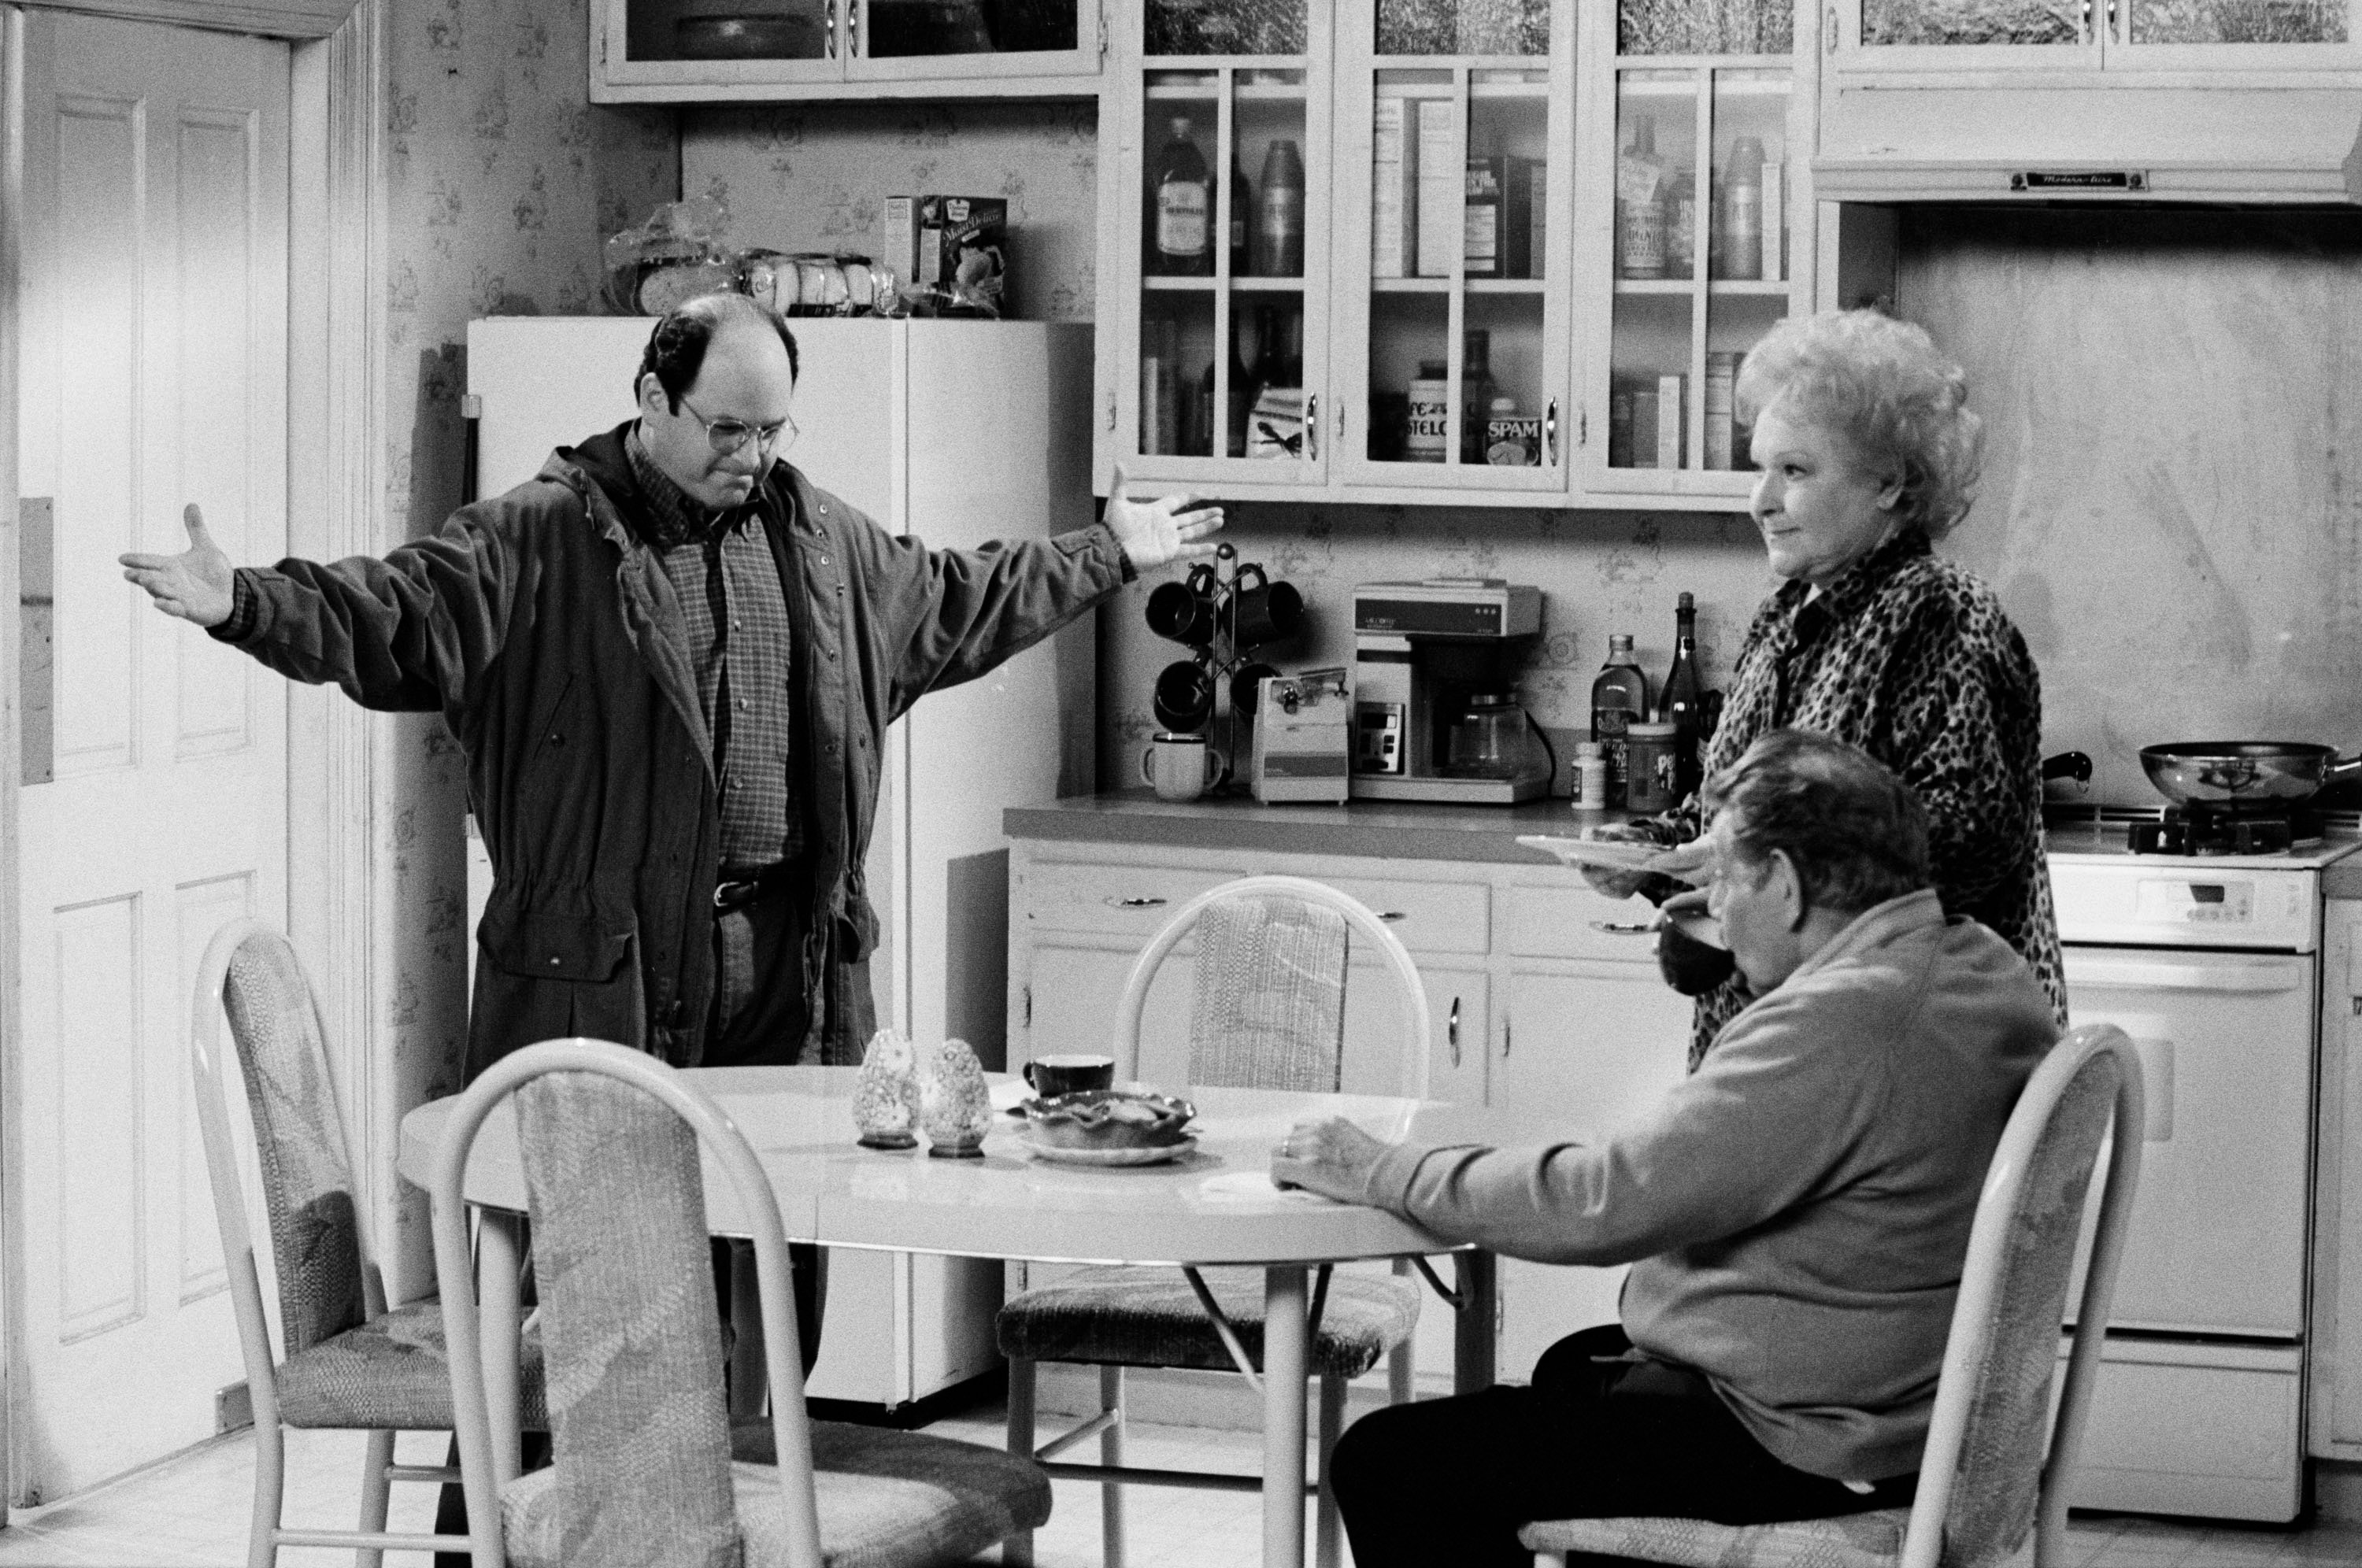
1224,612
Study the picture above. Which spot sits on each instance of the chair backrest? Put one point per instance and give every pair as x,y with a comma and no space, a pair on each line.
1284,1024
251,986
1984,1481
631,1338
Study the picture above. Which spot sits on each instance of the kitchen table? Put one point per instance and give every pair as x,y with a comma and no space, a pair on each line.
1208,1208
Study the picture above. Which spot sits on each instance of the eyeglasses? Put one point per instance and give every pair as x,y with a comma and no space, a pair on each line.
729,437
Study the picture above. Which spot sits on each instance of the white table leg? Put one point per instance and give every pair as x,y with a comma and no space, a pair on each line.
498,1258
1284,1358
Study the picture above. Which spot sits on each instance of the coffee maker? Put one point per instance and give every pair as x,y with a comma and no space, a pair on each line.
1435,713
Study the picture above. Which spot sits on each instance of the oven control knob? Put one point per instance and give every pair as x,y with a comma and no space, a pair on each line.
2146,838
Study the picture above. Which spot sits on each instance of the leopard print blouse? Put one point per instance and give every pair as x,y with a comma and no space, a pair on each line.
1911,659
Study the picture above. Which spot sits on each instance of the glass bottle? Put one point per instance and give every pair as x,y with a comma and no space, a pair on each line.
1184,206
1475,393
1250,332
1683,697
1739,222
1618,697
1242,228
1279,213
1640,203
1681,225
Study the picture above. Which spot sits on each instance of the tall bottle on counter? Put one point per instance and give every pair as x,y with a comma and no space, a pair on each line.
1683,703
1618,698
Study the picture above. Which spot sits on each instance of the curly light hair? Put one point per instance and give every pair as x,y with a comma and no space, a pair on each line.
1884,385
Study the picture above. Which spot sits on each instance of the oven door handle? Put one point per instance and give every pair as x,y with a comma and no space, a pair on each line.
2169,974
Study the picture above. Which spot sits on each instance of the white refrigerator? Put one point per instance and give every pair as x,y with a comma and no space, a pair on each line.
957,432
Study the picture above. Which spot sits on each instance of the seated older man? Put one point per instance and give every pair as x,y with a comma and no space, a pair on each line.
1796,1211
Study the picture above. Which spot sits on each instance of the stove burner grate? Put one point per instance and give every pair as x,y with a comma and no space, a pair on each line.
2201,831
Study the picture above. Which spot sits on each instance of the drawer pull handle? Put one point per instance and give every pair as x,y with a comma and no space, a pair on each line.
1451,1031
1625,927
1136,903
1390,916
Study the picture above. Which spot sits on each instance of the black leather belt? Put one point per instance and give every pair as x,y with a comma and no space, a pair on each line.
741,885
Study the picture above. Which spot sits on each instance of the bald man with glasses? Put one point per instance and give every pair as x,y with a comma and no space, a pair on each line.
672,659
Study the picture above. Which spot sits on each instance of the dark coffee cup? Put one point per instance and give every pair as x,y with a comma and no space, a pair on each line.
1690,962
1184,611
1263,610
1054,1076
1246,687
1184,695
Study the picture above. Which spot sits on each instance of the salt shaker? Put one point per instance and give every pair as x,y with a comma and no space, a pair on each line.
885,1095
954,1106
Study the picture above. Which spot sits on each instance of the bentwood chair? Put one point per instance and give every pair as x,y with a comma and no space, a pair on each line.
643,1472
1985,1484
350,1362
1268,1012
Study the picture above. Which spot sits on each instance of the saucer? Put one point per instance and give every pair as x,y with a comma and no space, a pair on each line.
1152,1155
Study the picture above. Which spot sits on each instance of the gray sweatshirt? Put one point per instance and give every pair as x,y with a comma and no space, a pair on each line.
1800,1205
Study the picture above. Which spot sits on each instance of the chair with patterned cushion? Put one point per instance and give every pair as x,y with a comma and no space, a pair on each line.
1267,1012
351,1360
1985,1484
645,1470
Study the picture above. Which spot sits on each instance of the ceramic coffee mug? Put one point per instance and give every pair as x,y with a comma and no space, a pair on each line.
1184,698
1184,611
1263,610
1054,1076
1182,768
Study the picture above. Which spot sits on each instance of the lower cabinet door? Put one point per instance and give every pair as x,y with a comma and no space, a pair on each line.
1575,1055
1072,992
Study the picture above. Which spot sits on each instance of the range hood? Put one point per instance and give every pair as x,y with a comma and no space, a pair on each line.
2282,145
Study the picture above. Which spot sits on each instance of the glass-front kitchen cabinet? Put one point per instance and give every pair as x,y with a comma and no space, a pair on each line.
1907,38
1336,247
1452,346
1215,244
1445,251
775,51
1691,237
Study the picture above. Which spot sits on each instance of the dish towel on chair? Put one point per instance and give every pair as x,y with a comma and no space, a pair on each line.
1270,1004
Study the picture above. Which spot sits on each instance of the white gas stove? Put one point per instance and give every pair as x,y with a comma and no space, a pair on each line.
2210,961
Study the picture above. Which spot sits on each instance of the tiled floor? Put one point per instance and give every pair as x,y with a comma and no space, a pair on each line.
192,1511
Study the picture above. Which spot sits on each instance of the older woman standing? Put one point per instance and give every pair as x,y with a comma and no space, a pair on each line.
1868,455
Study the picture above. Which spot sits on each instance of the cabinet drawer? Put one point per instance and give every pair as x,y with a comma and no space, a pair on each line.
1575,922
1134,901
1429,917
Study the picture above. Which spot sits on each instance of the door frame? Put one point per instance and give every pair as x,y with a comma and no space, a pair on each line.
337,901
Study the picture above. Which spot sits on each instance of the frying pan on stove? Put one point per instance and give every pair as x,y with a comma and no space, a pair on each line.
2266,775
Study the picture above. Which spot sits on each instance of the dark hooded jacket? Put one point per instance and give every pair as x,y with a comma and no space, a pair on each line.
547,635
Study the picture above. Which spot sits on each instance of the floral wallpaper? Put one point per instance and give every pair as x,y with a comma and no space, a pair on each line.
816,176
503,182
1599,572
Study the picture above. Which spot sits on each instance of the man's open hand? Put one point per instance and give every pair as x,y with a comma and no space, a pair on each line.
194,585
1153,532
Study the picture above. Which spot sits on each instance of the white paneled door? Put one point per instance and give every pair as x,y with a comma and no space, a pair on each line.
154,372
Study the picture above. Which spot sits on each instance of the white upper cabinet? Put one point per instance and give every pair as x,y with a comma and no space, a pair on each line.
714,51
1905,36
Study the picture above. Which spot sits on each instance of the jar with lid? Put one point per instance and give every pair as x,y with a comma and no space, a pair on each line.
1590,790
1650,778
1427,433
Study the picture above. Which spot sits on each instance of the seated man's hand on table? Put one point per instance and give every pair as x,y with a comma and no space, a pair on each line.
1328,1155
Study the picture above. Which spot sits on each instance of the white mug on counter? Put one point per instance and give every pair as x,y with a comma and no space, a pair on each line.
1182,768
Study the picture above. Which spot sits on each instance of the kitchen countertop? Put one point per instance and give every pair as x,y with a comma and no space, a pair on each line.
1379,829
